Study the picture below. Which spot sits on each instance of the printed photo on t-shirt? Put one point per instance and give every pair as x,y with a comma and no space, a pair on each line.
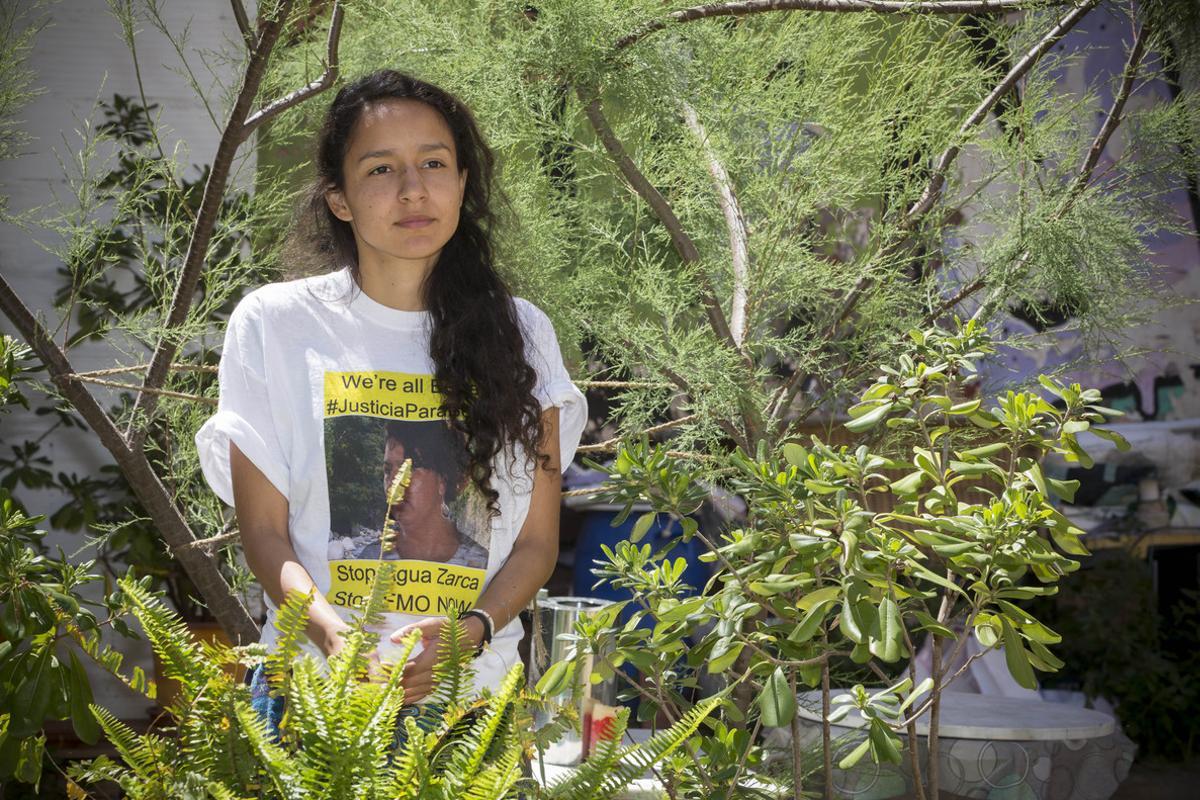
374,422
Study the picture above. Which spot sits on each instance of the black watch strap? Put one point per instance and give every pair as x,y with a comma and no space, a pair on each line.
486,619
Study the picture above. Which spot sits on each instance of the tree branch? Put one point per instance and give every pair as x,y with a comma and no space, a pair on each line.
786,393
877,6
243,22
132,461
735,223
322,83
210,206
683,243
938,180
1079,183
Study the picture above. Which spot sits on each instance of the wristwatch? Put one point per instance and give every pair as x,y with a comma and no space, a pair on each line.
489,627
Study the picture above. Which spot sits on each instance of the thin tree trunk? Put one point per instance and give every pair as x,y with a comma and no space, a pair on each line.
826,737
797,751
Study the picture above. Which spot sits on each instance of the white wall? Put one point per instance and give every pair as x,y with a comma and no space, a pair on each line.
78,57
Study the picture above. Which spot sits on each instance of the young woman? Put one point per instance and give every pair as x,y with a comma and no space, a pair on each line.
410,327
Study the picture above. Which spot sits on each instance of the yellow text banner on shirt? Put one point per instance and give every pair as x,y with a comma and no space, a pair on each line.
375,393
417,587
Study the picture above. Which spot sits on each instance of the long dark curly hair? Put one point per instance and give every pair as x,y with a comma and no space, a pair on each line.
476,342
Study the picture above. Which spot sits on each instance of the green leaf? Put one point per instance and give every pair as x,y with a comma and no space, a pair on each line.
855,755
849,625
887,648
777,702
928,623
1120,441
795,454
642,526
1016,658
922,687
725,660
811,599
909,484
811,621
557,678
1034,473
1075,426
985,450
883,745
1063,489
1068,542
987,630
869,419
82,720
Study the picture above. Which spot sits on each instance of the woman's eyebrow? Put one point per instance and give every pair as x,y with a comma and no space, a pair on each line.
388,152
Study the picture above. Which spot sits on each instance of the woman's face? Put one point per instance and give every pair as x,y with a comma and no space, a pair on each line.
401,163
425,492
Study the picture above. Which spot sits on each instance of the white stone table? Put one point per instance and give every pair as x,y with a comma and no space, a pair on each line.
992,748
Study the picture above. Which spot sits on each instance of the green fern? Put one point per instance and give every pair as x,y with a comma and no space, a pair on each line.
611,767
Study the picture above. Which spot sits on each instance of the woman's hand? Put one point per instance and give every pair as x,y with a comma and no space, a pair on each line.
418,673
333,642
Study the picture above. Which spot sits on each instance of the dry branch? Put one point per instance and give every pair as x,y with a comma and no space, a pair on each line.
847,6
735,223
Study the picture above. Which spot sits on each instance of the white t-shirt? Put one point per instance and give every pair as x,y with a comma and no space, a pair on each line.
327,392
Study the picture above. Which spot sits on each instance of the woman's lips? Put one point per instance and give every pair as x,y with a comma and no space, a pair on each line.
415,223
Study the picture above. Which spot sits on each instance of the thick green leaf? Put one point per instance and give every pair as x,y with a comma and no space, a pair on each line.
855,755
811,621
1120,441
889,644
796,455
987,630
557,678
82,720
869,419
1016,658
909,484
642,526
777,702
985,450
883,745
724,661
928,623
1063,489
1068,542
808,601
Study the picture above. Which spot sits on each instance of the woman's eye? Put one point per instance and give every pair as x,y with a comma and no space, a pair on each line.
376,171
435,161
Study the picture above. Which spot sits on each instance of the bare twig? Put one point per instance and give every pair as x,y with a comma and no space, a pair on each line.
611,444
211,543
877,6
100,373
623,384
735,223
195,398
938,180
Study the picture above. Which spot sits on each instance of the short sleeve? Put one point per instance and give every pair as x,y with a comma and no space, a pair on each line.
244,414
554,386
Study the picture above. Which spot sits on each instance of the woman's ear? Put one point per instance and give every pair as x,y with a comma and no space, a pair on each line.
336,200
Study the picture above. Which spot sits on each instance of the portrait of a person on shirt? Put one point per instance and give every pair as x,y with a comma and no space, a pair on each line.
432,521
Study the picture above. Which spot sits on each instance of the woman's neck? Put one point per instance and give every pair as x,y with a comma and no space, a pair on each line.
396,286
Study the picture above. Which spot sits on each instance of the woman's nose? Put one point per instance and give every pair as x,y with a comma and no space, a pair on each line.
412,183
